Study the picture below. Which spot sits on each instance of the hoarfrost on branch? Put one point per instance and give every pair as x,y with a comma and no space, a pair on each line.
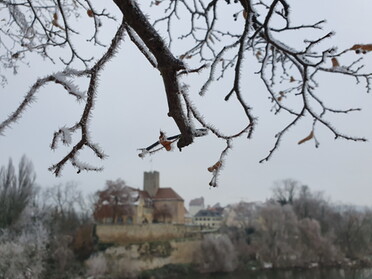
289,73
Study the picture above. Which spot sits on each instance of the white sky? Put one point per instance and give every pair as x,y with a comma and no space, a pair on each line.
131,109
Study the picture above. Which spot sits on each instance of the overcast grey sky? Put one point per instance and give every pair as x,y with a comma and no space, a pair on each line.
131,109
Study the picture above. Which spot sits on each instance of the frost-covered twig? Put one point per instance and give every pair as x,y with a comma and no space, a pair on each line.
83,124
64,134
289,72
37,26
154,147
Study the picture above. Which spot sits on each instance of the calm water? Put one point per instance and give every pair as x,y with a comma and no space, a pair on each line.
293,274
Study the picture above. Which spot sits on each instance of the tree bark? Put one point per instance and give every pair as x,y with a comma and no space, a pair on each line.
167,64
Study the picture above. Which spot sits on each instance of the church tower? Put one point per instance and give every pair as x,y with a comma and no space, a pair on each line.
151,182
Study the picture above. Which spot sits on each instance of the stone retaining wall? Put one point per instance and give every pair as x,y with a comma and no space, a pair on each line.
126,234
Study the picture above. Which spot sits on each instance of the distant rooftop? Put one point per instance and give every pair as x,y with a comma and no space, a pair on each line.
208,213
197,202
167,194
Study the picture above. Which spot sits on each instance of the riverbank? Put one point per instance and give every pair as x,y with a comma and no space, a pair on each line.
191,272
346,270
177,255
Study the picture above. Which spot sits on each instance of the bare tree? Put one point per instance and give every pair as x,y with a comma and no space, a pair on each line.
66,208
114,202
240,215
64,198
315,247
353,232
313,205
277,235
217,254
16,190
285,191
289,72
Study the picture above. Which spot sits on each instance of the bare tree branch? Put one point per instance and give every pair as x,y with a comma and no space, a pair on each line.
290,73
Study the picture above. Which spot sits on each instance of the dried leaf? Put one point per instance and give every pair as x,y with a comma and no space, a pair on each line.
361,48
335,63
367,47
167,145
55,21
309,137
245,14
216,166
164,142
292,79
90,13
258,54
56,24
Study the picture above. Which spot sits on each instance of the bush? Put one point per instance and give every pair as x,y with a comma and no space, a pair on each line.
23,256
218,254
97,266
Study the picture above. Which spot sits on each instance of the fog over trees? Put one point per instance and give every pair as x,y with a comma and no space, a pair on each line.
218,40
49,232
39,233
305,230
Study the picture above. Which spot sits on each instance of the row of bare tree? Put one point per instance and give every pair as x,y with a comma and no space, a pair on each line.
47,234
43,233
299,228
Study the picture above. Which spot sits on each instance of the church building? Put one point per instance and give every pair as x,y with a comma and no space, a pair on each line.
153,204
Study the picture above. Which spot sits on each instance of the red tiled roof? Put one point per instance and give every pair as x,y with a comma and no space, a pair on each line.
167,194
144,194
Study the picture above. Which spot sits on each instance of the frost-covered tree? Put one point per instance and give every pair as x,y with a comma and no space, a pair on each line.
24,255
16,190
277,234
217,39
353,231
217,254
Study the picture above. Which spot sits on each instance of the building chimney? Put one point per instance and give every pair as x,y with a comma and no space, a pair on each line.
151,182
